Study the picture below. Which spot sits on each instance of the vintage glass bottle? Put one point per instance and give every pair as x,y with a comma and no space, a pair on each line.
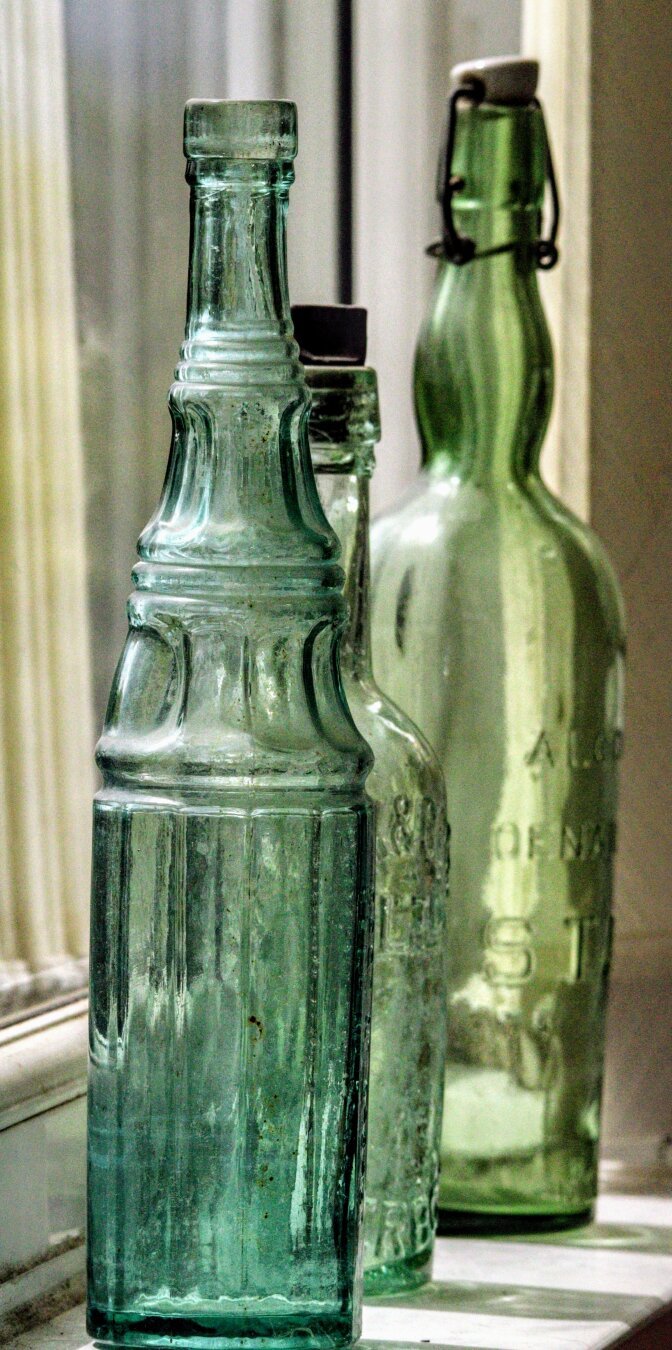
498,627
232,900
406,785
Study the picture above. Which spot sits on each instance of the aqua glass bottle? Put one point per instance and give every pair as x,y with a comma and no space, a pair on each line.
232,900
498,627
406,785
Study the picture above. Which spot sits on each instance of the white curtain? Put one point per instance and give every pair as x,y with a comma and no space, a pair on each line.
45,696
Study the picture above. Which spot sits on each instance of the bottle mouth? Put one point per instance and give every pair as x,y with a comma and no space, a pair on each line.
345,417
247,129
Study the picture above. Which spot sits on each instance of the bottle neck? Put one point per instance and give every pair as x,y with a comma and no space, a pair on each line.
344,493
239,489
483,370
237,255
344,428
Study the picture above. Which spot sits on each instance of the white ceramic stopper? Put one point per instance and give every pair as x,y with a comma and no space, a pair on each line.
507,79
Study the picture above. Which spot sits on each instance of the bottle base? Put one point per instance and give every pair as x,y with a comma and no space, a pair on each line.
453,1222
309,1331
397,1277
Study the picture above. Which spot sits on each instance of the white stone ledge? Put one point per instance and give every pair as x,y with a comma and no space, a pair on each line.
42,1062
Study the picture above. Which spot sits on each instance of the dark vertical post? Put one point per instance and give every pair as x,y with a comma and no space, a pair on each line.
344,158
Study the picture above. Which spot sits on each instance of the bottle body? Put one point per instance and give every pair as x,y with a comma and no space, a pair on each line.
409,993
498,627
231,910
230,954
224,1120
406,787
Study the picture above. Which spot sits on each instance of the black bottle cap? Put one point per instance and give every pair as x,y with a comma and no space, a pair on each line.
330,335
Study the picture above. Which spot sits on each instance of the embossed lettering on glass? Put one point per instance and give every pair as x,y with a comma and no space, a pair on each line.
406,784
232,913
498,626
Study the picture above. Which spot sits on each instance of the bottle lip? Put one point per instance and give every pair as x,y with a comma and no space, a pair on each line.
341,379
248,129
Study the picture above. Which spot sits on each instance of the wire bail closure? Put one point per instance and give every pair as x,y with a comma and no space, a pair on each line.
458,248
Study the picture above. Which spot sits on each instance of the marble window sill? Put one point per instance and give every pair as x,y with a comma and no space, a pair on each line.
596,1287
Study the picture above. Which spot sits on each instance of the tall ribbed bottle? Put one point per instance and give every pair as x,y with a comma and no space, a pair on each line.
498,626
232,913
406,784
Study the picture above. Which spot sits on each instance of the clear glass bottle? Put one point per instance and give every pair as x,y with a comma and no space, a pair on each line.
232,902
498,626
406,785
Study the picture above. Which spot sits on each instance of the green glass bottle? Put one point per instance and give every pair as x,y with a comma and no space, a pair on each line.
232,901
406,785
498,626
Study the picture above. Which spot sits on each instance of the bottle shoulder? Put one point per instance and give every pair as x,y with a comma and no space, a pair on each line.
407,788
218,696
446,534
580,539
401,754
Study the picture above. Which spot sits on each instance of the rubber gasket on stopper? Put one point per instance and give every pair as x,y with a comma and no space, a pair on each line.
262,129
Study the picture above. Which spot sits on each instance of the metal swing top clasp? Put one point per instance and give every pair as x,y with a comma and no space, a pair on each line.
457,248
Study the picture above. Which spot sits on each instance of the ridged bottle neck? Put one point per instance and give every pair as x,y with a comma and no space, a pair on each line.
239,489
483,372
238,303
